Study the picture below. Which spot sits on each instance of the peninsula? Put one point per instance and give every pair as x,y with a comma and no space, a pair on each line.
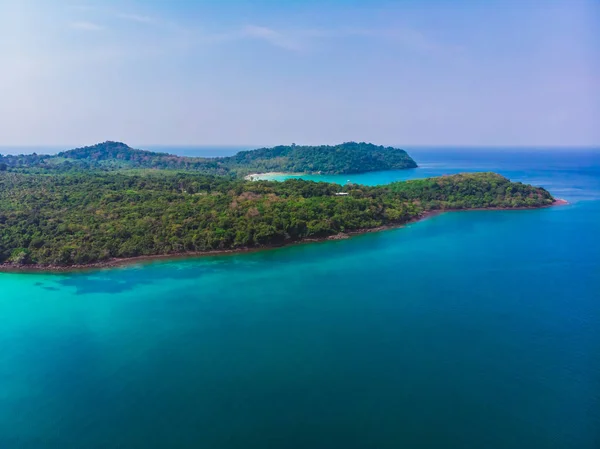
100,205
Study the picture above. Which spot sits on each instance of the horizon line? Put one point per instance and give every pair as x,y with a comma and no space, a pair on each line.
225,145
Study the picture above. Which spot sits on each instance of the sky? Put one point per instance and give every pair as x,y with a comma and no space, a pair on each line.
427,72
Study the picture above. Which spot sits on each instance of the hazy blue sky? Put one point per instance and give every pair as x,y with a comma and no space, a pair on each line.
267,72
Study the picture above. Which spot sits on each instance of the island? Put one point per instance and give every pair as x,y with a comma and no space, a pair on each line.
106,205
346,158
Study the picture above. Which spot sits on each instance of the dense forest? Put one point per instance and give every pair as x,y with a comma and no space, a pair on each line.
348,157
82,218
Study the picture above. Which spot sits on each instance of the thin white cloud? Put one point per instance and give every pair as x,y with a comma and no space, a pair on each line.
293,39
271,36
86,26
301,39
407,37
137,18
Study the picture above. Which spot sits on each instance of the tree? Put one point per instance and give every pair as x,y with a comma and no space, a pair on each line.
20,256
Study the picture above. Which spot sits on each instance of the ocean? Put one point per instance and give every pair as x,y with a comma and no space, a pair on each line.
467,329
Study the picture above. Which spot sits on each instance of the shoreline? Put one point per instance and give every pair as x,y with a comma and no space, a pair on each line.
116,263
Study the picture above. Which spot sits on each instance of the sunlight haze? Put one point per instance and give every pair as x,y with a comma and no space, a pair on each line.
240,72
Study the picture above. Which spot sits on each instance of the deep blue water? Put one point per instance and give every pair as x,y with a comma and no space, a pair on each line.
468,329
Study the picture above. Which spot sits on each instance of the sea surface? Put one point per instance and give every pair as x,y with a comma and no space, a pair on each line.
466,330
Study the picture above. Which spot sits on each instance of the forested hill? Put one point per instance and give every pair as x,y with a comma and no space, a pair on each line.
348,157
82,218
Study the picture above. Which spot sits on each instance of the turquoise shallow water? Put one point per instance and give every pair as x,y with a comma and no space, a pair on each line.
469,329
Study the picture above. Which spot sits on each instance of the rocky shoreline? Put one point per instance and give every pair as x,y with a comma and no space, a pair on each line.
114,263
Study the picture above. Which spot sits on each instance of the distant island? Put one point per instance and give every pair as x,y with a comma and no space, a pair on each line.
346,158
102,205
